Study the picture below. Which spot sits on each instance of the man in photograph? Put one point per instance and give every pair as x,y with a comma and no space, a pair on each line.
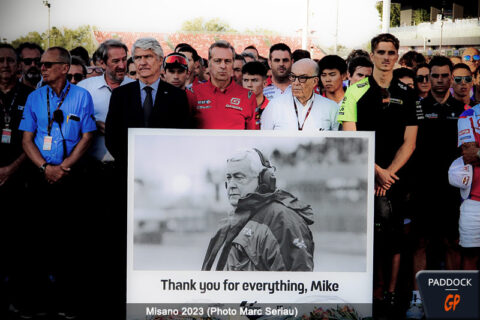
268,229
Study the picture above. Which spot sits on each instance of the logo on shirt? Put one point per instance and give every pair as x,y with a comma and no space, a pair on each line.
431,115
397,101
234,107
248,232
299,243
465,180
235,101
466,131
204,102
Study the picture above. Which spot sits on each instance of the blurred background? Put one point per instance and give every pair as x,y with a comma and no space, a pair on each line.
180,197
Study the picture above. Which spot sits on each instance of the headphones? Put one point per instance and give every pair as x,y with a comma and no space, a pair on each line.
267,182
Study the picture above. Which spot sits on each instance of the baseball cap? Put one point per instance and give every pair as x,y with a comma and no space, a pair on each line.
460,175
175,60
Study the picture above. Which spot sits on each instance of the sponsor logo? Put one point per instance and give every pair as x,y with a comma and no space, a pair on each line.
431,115
465,131
248,232
397,101
203,107
451,302
234,107
250,92
361,85
465,180
402,86
235,101
299,243
204,101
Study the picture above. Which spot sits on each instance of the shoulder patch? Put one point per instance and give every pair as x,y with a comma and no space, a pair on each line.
189,88
361,85
250,92
402,86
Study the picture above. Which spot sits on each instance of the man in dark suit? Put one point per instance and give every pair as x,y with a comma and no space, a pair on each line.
145,103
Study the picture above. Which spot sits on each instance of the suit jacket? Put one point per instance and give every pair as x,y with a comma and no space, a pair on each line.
171,110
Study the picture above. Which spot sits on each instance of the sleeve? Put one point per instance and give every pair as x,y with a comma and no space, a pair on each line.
29,119
466,127
334,117
267,121
88,118
251,123
348,109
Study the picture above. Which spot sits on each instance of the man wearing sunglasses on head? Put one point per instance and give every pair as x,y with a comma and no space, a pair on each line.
58,125
471,57
462,84
29,54
301,108
175,68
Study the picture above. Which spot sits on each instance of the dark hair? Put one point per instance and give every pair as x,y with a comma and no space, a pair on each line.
280,47
255,68
300,54
9,46
251,47
77,61
240,57
403,72
106,45
96,56
440,61
332,62
245,54
356,53
129,61
411,59
385,37
82,53
185,47
359,61
63,54
422,65
28,45
461,66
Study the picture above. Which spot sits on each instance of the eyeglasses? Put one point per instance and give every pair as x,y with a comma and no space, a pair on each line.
49,64
132,73
475,57
8,59
94,69
440,75
29,61
301,79
421,78
459,79
76,76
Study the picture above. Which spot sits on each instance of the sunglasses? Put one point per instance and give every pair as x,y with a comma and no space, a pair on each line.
175,59
76,76
132,73
475,57
301,79
29,61
49,64
422,78
459,79
8,59
94,69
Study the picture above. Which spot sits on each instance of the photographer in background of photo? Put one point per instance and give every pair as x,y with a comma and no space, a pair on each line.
268,229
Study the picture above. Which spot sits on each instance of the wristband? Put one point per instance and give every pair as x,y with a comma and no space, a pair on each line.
43,167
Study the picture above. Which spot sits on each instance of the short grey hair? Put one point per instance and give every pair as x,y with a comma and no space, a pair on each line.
221,44
311,63
253,158
102,50
148,44
63,54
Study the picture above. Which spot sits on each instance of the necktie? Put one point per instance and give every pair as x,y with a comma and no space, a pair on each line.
147,105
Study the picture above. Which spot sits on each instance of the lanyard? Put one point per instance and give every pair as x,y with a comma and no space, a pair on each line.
300,128
50,121
6,110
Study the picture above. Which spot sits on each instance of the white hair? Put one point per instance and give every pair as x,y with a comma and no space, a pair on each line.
148,44
253,159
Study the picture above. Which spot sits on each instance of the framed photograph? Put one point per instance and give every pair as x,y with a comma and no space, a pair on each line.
223,222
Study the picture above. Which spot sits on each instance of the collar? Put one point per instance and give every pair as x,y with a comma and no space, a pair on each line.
309,101
216,89
154,85
62,93
103,83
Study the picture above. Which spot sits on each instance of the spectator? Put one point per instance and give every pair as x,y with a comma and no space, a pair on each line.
405,76
131,69
252,50
255,79
422,80
95,69
311,111
77,71
455,59
411,59
462,84
471,57
300,54
238,64
223,104
356,53
248,57
175,66
280,62
333,71
359,68
82,53
29,54
193,62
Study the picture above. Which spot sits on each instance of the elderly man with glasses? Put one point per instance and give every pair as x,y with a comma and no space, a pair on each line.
301,109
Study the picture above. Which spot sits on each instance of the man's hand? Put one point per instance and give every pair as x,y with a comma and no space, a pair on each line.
380,191
469,153
101,127
5,173
385,178
54,174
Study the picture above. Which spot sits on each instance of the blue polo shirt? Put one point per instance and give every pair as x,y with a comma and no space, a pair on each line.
78,118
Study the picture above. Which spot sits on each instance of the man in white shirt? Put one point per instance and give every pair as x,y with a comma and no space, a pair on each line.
113,57
280,62
302,109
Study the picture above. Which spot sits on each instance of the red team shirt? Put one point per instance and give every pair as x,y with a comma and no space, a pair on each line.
232,108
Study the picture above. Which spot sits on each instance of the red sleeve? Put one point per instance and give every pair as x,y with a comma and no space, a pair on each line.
251,123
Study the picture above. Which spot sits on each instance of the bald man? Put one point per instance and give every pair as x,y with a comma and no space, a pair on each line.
302,109
471,57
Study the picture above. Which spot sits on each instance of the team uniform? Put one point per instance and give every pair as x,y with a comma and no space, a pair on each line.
469,222
387,112
232,108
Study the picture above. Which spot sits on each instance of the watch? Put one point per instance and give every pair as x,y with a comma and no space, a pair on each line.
43,167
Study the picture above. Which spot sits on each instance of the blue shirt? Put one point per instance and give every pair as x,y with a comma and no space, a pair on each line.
77,119
143,93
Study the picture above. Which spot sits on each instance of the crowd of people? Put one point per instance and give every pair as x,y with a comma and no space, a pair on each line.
63,155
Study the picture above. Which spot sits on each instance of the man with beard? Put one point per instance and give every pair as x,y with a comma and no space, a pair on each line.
280,62
29,54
